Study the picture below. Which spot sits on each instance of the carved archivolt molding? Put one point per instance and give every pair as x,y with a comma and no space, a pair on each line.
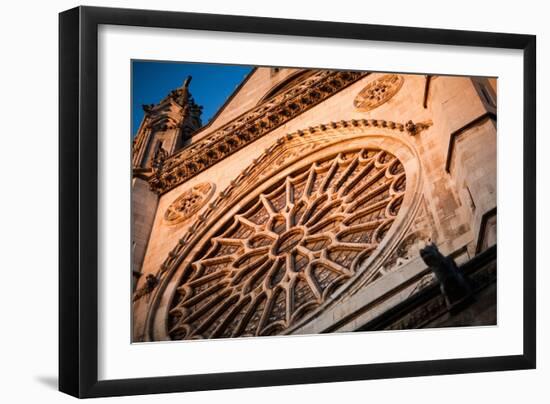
189,203
284,253
377,92
250,126
187,271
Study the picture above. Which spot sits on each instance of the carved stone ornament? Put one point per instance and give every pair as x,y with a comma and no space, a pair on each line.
377,92
407,249
287,250
251,126
189,203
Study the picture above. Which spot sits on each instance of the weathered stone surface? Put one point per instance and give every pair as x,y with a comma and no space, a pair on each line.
245,263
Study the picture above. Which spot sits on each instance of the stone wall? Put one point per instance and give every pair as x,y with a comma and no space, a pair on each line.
453,199
144,206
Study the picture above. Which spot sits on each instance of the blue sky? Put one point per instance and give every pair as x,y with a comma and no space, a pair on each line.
211,85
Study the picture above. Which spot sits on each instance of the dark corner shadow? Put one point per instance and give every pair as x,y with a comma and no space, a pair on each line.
48,381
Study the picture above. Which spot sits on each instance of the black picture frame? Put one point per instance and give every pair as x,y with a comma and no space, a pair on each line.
78,193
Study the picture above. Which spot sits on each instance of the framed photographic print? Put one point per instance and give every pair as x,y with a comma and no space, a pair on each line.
249,201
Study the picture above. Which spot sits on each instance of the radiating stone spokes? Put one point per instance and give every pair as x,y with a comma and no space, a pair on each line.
284,253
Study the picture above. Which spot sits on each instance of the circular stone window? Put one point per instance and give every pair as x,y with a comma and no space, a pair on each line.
188,203
378,92
282,255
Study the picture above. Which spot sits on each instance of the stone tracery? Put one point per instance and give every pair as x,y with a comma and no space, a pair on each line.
284,253
189,203
378,92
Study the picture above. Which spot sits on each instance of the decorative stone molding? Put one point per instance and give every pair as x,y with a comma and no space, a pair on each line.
300,144
421,315
415,128
263,162
282,255
250,126
189,203
377,92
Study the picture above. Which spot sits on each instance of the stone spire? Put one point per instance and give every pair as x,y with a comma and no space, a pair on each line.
167,125
191,110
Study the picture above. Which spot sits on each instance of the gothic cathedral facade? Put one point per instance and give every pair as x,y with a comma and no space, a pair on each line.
303,205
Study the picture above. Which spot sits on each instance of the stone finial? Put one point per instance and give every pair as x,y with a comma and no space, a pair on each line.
187,81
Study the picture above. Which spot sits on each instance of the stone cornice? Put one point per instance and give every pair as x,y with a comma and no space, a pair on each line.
249,127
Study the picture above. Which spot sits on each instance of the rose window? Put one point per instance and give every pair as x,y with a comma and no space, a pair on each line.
286,252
